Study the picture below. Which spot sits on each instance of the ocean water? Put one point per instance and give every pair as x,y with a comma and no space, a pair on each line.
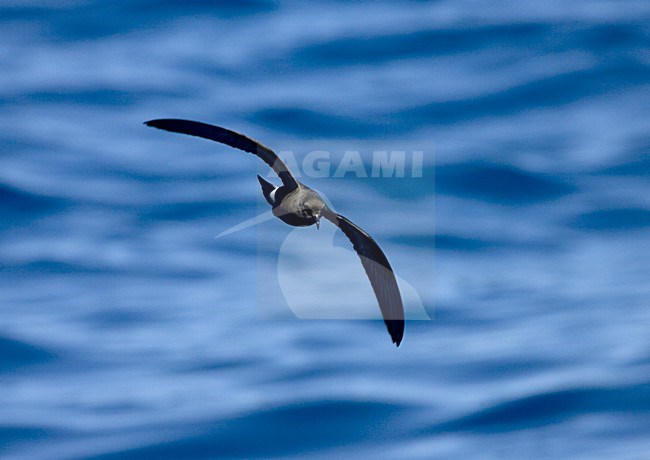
127,330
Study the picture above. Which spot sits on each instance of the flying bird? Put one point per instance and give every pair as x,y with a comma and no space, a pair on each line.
300,206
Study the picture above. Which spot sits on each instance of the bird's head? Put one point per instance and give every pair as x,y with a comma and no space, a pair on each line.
316,213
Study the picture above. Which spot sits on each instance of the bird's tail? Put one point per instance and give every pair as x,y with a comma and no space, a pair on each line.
267,188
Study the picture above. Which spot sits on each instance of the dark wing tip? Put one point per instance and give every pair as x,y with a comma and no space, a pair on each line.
396,330
160,123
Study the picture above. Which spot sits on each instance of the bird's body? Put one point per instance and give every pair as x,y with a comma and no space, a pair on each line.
300,206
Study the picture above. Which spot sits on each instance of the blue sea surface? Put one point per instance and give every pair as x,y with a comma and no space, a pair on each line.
127,330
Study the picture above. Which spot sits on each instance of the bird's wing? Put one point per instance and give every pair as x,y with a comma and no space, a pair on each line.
231,138
379,273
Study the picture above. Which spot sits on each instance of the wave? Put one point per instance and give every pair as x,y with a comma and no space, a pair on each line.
552,408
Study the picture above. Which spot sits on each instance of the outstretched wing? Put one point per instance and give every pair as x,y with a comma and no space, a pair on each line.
379,273
231,138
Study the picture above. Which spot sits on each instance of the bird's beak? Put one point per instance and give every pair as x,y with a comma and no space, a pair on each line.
318,222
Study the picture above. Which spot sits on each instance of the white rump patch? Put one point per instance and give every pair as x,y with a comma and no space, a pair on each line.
272,195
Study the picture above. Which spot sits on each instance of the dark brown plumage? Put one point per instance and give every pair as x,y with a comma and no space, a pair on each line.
298,205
